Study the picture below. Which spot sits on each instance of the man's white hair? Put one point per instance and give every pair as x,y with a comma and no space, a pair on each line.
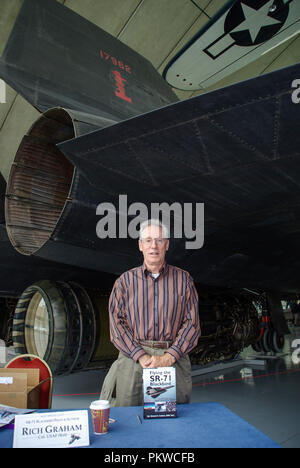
154,222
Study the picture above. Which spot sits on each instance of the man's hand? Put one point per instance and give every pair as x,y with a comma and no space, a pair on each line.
145,361
161,361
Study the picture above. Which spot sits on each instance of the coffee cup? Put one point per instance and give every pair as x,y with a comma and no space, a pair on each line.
100,416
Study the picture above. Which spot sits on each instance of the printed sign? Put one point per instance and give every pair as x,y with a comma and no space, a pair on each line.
159,392
53,430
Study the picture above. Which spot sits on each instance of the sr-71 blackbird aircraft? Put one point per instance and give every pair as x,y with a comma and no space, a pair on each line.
110,125
154,392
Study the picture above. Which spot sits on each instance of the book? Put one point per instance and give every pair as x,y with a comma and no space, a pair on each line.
159,386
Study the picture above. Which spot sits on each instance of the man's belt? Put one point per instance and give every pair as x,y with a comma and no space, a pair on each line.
156,344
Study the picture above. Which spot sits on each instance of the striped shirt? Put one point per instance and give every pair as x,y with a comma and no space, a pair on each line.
158,309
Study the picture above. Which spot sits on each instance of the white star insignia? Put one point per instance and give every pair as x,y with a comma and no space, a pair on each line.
255,20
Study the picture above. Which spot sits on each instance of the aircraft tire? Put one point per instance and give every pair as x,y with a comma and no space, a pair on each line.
276,341
257,346
265,341
56,321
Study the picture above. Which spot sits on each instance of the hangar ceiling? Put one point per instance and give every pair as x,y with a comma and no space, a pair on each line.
157,29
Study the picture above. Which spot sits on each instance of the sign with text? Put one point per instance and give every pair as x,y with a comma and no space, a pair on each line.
52,430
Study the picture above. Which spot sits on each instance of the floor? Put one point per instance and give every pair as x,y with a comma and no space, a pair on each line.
266,394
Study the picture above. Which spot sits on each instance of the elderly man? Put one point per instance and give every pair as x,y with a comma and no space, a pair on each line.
154,321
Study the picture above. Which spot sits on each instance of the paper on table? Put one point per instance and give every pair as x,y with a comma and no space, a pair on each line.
8,413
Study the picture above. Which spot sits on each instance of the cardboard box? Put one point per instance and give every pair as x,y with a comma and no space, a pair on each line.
20,388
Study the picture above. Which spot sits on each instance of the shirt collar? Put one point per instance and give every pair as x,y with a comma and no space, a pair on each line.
146,272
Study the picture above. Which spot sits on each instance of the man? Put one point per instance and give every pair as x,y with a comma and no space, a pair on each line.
154,321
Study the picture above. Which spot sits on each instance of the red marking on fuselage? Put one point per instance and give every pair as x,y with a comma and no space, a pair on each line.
120,91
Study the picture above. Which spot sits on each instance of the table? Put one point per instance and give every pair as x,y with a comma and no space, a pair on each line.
198,425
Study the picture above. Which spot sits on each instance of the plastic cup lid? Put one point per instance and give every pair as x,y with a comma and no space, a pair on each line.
99,404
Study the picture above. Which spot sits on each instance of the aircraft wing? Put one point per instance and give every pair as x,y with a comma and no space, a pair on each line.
237,151
239,33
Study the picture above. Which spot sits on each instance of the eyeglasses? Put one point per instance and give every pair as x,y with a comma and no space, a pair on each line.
148,241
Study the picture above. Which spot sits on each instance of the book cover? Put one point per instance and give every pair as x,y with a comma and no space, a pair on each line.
159,392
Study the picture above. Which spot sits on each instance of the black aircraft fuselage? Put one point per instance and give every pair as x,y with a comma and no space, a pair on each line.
235,150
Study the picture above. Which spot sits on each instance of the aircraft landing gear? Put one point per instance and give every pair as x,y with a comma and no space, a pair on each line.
269,339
